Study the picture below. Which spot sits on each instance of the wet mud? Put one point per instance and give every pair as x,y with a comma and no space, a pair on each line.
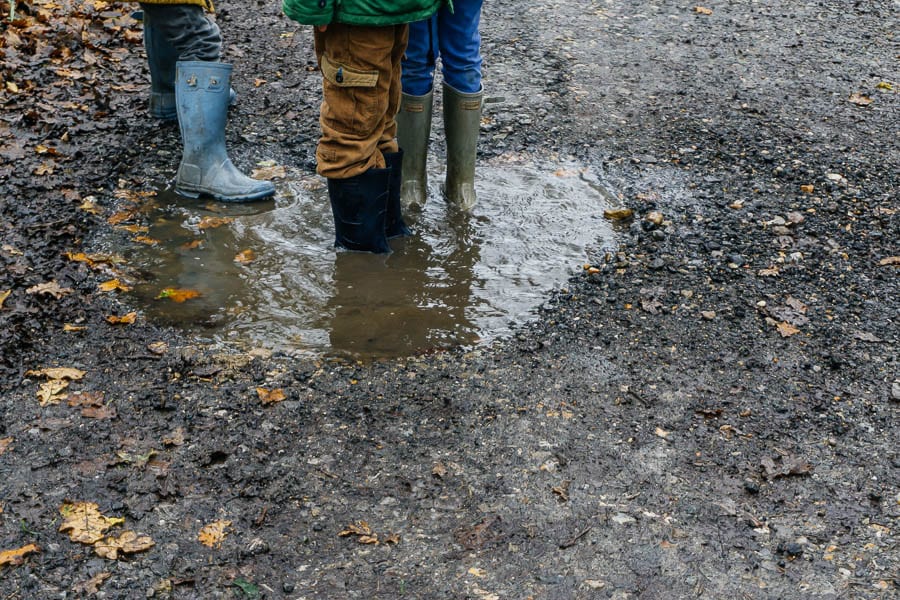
708,410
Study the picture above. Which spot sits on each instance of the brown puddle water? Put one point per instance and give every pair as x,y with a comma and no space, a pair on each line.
458,281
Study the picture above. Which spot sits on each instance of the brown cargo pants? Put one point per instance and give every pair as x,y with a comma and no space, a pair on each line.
361,96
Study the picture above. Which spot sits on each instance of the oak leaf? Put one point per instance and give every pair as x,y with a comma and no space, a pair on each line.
84,523
15,557
128,542
92,586
50,287
267,396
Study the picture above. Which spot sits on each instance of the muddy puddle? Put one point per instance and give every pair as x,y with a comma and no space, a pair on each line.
266,274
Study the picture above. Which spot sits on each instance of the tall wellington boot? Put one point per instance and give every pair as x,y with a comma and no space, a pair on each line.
202,96
413,131
359,206
462,120
395,226
161,58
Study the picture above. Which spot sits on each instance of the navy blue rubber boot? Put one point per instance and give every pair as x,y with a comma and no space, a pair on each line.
161,58
394,224
359,206
202,96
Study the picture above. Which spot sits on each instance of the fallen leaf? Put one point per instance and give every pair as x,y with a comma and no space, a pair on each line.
89,204
213,534
702,10
358,528
786,329
57,373
807,189
250,590
884,85
562,490
50,392
122,216
99,412
15,557
660,432
191,245
123,320
143,239
394,538
272,172
134,229
84,523
618,214
178,295
245,257
113,285
70,327
4,444
176,438
785,465
859,99
213,222
439,470
865,336
475,571
158,348
51,287
884,262
270,396
92,586
258,82
85,399
769,272
3,296
128,542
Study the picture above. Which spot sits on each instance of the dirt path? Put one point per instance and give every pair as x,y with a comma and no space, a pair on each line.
711,412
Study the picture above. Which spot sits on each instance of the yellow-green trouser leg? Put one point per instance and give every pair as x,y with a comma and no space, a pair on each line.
462,120
413,131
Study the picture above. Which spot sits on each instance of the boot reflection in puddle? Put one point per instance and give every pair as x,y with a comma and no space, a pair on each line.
412,301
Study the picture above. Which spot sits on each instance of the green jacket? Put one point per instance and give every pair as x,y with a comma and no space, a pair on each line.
360,12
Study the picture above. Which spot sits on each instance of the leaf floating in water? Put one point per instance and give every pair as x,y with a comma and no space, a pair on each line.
178,294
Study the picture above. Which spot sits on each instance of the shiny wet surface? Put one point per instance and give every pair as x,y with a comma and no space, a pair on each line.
268,276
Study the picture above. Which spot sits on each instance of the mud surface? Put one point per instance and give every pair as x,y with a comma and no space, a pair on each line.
710,412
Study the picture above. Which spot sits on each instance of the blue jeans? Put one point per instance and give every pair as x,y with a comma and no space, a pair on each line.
454,38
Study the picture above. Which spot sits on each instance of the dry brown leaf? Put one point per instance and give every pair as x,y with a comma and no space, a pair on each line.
4,444
147,240
3,296
99,412
359,528
84,523
128,542
245,257
70,327
92,586
439,470
178,295
85,399
213,222
273,172
270,396
807,189
786,329
769,272
50,392
702,10
15,557
123,320
51,287
884,262
213,534
393,538
134,228
158,348
191,245
113,285
176,438
122,216
860,99
57,373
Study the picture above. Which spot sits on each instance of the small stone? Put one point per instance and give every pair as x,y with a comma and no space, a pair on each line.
656,264
623,519
288,587
751,486
709,315
790,549
654,217
895,390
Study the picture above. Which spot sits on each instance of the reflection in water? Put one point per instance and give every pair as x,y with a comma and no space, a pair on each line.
458,280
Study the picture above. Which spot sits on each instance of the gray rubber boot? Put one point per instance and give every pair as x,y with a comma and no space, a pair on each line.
161,58
462,121
413,131
201,90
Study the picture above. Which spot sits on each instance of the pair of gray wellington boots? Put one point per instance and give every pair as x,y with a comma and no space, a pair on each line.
462,120
198,94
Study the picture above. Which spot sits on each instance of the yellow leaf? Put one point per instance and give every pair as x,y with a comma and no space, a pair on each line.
270,396
143,239
890,260
244,257
84,523
4,444
786,329
358,528
123,320
178,295
258,82
44,169
113,285
134,229
477,572
807,189
3,296
50,392
191,245
128,542
213,534
618,214
70,327
702,10
121,216
12,87
213,222
57,373
884,85
14,557
89,205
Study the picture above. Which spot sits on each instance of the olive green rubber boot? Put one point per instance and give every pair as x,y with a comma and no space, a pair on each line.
413,131
462,120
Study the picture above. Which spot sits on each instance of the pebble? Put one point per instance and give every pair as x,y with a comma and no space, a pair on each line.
623,519
895,390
